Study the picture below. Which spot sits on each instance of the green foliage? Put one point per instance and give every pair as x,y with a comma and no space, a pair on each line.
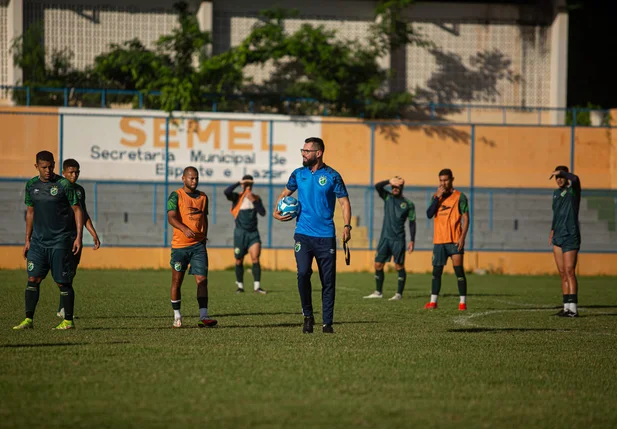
315,70
583,116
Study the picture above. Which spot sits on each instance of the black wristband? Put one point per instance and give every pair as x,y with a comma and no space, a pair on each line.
347,226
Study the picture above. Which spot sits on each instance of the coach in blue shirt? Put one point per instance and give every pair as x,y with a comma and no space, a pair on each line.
318,186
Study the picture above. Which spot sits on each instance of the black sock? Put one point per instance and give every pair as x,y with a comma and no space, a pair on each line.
202,301
461,280
402,278
240,273
436,282
175,305
574,298
68,299
566,298
61,304
33,292
257,272
379,277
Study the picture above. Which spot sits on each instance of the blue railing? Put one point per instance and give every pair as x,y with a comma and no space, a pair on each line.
141,221
432,111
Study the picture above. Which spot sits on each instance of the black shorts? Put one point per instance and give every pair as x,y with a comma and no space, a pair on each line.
61,262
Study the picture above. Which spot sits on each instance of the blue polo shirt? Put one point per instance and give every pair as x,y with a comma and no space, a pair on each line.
317,193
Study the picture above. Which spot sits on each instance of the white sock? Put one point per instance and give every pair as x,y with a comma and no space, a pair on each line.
463,299
256,285
177,314
203,313
240,285
434,298
566,306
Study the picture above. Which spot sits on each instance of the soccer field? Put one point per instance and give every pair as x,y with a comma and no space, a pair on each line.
507,362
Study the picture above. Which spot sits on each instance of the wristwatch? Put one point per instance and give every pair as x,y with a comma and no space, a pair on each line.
347,226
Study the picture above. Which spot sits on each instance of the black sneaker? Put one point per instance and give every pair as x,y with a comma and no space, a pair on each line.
308,325
562,313
571,313
240,290
327,329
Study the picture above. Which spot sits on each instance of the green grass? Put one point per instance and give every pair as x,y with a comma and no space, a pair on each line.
507,362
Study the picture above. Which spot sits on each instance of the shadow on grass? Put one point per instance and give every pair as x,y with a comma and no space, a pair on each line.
292,325
479,330
170,316
17,346
455,295
597,306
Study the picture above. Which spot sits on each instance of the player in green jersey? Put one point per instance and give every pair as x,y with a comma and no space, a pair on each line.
565,236
54,225
398,209
71,171
245,207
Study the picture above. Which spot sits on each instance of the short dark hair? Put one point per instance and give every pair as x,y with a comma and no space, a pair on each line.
446,172
562,168
190,168
44,155
247,177
317,143
68,163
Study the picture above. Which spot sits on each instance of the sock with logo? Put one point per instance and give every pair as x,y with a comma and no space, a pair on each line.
402,278
33,292
68,299
379,278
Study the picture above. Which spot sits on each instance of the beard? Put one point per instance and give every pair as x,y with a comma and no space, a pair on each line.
309,162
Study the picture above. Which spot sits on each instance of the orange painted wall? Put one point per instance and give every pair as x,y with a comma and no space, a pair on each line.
418,153
362,261
348,150
23,135
592,157
519,156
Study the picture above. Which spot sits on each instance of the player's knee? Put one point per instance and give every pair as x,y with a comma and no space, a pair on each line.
570,272
33,284
437,271
399,267
459,271
255,259
378,266
36,280
202,282
305,273
238,261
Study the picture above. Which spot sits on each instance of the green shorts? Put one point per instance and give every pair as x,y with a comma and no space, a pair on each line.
243,240
41,260
441,253
196,256
568,243
388,248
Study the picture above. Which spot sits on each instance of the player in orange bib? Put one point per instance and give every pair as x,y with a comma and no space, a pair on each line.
450,209
187,212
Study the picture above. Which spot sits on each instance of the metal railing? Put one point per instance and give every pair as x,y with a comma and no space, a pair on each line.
103,97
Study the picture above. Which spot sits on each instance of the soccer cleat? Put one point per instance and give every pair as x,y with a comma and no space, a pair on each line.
374,295
570,313
177,323
308,325
240,290
562,313
327,329
462,306
206,322
396,297
60,313
261,291
64,325
26,324
431,306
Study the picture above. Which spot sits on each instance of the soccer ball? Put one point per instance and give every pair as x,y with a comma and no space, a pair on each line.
289,206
